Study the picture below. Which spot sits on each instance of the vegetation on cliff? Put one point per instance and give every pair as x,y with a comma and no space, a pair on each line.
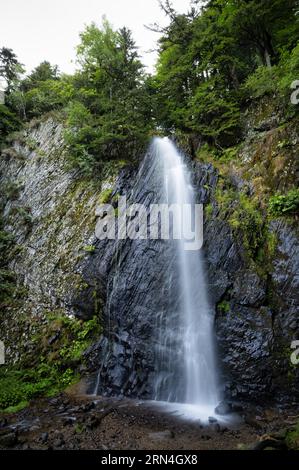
58,351
222,84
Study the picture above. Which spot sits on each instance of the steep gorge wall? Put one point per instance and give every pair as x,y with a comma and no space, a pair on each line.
256,309
50,212
253,258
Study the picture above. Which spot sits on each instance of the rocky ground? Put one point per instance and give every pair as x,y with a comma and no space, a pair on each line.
67,422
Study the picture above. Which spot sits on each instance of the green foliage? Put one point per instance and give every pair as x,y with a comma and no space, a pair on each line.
19,386
72,338
82,335
56,363
292,438
281,204
89,248
223,306
40,97
208,210
262,82
276,80
8,123
42,73
289,69
211,61
105,196
215,113
109,114
248,218
106,104
10,68
24,214
244,216
31,144
10,190
7,277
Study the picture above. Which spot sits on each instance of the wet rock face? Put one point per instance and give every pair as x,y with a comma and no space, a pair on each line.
129,282
285,293
135,278
253,328
256,318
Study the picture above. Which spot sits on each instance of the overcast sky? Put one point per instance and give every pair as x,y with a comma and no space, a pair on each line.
40,30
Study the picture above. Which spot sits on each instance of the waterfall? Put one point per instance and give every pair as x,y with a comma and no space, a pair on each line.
158,342
185,356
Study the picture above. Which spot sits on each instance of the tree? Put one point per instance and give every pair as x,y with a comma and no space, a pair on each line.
10,68
8,123
109,116
206,55
261,25
42,73
43,90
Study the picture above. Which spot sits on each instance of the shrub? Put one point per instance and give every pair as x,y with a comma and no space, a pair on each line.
8,123
262,82
19,386
281,204
292,438
223,306
56,366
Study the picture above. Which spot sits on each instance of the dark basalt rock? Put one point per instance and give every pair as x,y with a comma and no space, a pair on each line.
223,408
253,335
8,439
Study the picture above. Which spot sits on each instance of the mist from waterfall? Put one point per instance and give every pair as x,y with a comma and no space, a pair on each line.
185,356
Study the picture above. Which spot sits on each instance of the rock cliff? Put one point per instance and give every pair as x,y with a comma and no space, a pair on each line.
59,265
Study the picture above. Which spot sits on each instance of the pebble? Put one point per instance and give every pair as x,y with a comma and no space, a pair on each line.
161,435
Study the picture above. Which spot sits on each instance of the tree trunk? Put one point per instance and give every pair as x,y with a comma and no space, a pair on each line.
267,49
234,76
267,59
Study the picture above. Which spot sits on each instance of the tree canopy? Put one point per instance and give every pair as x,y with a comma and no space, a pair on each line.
205,58
212,61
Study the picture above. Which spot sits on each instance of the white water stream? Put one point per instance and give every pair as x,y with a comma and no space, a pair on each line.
197,394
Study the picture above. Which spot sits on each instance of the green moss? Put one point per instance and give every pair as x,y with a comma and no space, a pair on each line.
284,204
223,306
243,215
229,154
89,248
15,409
208,210
292,438
206,153
249,222
58,352
31,143
105,196
11,190
271,244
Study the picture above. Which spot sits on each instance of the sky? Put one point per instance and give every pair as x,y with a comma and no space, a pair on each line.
40,30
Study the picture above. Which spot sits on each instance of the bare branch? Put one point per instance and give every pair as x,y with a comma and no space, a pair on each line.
155,28
168,9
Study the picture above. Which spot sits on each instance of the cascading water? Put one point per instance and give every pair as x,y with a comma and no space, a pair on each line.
185,359
158,342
